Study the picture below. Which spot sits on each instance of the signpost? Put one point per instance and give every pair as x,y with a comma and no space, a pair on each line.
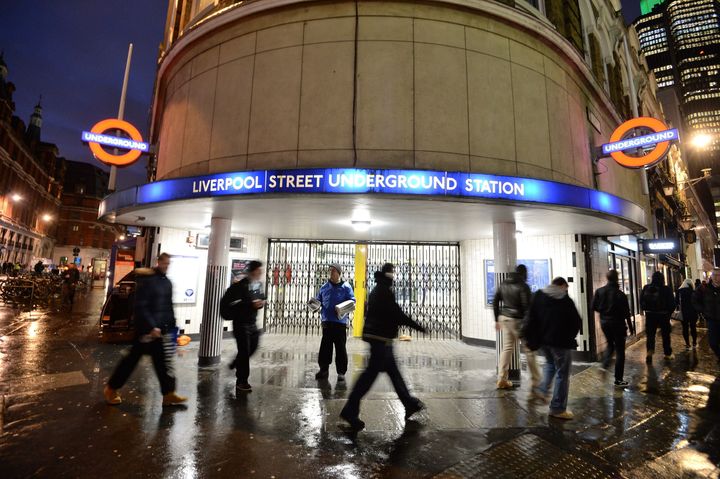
649,138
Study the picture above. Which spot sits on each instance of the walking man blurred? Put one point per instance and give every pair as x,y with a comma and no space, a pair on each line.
658,302
707,301
383,320
510,306
240,304
554,322
334,327
154,317
613,310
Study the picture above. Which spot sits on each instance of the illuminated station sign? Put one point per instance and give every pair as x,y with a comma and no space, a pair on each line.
133,144
640,142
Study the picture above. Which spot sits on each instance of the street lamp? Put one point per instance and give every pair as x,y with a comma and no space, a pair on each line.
701,140
669,187
46,217
16,197
121,237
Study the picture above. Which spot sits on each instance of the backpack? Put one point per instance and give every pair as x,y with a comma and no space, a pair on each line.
228,305
652,299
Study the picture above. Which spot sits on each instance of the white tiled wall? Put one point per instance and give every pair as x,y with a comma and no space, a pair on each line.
477,318
173,241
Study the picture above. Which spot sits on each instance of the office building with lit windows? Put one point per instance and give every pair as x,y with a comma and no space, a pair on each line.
681,43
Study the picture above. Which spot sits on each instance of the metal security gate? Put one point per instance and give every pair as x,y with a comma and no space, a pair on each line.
427,283
295,272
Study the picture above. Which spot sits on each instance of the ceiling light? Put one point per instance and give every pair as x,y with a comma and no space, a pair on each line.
361,225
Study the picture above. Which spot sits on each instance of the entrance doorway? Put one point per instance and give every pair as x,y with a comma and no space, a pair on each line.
427,283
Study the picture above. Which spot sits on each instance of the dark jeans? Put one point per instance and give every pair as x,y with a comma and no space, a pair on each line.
557,366
127,365
689,327
713,328
333,334
615,333
653,321
382,359
247,338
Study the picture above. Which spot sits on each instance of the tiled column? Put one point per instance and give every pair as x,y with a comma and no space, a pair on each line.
216,281
505,261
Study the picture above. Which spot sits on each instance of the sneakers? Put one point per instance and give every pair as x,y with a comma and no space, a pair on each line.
243,388
504,384
565,415
173,399
322,374
341,378
417,407
669,357
112,397
355,423
621,384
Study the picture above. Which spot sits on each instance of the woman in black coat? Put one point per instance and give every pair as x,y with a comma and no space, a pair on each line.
683,298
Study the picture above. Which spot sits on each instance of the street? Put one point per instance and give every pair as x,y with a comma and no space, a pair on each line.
55,423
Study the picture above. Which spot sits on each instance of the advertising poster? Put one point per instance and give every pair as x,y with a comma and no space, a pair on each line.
183,273
539,276
238,268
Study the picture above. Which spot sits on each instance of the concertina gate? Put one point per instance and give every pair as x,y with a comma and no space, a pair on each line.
427,282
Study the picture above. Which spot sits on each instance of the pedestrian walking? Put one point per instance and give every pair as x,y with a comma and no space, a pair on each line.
334,327
688,314
510,305
39,268
154,317
240,304
658,302
70,279
383,320
554,323
613,310
707,301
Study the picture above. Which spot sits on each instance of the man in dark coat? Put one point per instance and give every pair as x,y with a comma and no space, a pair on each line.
707,301
154,317
383,320
241,303
689,316
658,302
611,306
554,323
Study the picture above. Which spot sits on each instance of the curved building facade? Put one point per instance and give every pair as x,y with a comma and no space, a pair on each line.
452,137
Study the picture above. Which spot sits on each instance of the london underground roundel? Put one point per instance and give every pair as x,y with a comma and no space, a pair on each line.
132,144
649,137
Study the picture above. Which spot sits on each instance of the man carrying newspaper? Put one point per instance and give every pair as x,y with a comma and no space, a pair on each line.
335,300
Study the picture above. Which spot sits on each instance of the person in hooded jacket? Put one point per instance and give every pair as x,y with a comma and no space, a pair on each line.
707,301
154,317
510,305
658,302
382,322
684,300
554,323
611,306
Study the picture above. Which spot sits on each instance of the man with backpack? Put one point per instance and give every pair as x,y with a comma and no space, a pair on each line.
240,304
611,306
658,302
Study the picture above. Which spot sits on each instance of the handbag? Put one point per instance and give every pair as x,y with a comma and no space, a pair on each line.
677,315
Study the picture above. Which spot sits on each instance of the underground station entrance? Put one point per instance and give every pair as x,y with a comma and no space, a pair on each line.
427,284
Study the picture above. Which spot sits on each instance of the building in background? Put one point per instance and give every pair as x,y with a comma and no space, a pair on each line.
78,225
31,174
681,42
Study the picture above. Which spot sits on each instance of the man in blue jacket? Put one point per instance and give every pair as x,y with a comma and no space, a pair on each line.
334,328
154,317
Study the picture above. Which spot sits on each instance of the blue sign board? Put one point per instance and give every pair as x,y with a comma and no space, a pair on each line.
641,141
115,141
538,276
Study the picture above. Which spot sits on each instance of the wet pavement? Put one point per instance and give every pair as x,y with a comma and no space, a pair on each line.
53,421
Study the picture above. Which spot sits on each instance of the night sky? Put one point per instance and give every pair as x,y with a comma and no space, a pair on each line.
73,53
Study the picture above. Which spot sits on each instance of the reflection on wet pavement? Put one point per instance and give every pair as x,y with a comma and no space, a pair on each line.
54,423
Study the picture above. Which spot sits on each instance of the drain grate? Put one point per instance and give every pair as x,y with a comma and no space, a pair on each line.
527,456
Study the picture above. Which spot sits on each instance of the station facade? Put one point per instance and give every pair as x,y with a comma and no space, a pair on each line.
453,138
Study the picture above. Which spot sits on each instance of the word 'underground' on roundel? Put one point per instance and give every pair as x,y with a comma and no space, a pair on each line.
128,158
656,154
